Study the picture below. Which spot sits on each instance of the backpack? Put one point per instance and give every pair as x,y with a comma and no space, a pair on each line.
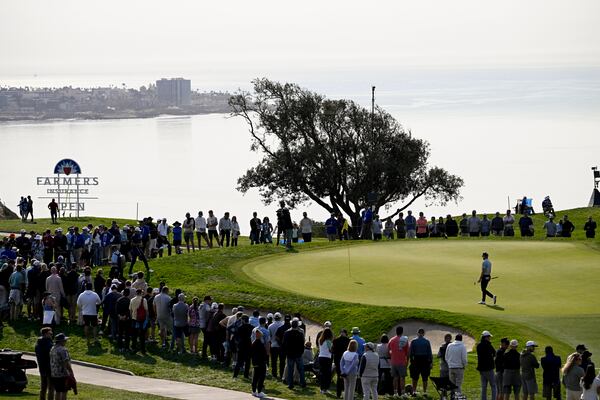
141,312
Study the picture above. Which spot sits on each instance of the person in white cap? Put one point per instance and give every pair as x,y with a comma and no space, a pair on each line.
529,364
511,378
485,365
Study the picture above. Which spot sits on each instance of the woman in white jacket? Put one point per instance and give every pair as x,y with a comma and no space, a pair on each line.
349,369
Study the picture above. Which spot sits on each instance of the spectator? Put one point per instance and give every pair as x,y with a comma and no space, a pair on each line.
456,357
388,230
572,374
567,227
194,325
550,227
293,347
243,342
485,365
54,285
340,345
486,226
369,372
385,377
464,225
526,226
504,343
163,237
325,343
124,316
53,207
349,369
189,226
398,351
590,384
509,221
590,228
306,228
331,228
225,230
235,231
474,224
212,223
551,376
60,367
377,227
451,226
444,372
138,309
400,226
511,378
177,236
259,361
87,302
255,225
410,222
200,227
421,360
204,315
267,231
42,354
497,225
276,353
433,228
180,322
529,364
422,231
109,304
586,359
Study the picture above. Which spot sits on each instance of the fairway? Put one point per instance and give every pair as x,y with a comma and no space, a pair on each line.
542,283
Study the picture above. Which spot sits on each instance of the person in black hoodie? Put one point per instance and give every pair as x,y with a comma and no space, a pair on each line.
293,348
567,226
243,343
497,225
451,226
485,364
259,361
124,316
42,354
551,365
500,368
340,345
511,379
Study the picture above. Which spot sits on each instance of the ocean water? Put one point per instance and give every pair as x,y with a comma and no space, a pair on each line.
508,133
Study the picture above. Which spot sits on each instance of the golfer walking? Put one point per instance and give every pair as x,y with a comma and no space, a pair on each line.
485,277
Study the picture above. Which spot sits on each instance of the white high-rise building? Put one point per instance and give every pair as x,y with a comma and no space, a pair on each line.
174,92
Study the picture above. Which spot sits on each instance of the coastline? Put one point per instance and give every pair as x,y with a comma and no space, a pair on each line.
82,116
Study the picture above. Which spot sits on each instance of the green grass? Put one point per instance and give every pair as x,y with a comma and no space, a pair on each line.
41,224
85,392
220,272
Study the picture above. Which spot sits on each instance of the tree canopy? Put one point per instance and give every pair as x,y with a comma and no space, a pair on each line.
335,153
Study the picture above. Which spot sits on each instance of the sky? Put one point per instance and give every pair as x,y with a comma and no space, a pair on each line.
257,38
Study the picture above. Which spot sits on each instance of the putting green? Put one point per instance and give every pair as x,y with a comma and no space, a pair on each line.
546,284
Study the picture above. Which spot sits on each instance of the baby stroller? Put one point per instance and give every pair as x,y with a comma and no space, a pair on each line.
443,386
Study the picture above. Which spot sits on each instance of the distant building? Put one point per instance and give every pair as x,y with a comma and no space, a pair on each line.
174,92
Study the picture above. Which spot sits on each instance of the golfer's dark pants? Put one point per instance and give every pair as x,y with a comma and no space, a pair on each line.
275,354
484,283
258,378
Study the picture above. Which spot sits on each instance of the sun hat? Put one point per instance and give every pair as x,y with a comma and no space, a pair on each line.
60,337
370,345
277,316
486,333
531,343
269,315
23,231
355,330
327,324
514,343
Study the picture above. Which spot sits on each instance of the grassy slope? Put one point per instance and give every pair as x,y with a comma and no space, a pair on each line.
85,392
219,272
41,224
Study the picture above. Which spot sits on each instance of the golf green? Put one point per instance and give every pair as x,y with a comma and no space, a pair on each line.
547,284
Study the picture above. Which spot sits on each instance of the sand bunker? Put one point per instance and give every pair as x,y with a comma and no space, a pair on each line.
433,332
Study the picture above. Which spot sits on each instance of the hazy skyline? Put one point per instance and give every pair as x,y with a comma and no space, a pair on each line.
243,39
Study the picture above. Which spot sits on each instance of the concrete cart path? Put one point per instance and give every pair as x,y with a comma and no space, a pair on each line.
160,387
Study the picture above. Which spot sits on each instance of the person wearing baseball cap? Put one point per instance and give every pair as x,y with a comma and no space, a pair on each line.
276,352
529,364
511,379
485,364
485,277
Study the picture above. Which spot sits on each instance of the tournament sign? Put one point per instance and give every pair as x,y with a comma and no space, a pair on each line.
68,187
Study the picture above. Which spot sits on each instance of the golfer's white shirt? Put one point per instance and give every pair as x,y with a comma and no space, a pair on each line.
87,302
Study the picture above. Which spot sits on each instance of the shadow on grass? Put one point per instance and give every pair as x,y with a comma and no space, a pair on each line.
495,307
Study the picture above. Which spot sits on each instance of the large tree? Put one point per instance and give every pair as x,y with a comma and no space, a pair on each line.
335,153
